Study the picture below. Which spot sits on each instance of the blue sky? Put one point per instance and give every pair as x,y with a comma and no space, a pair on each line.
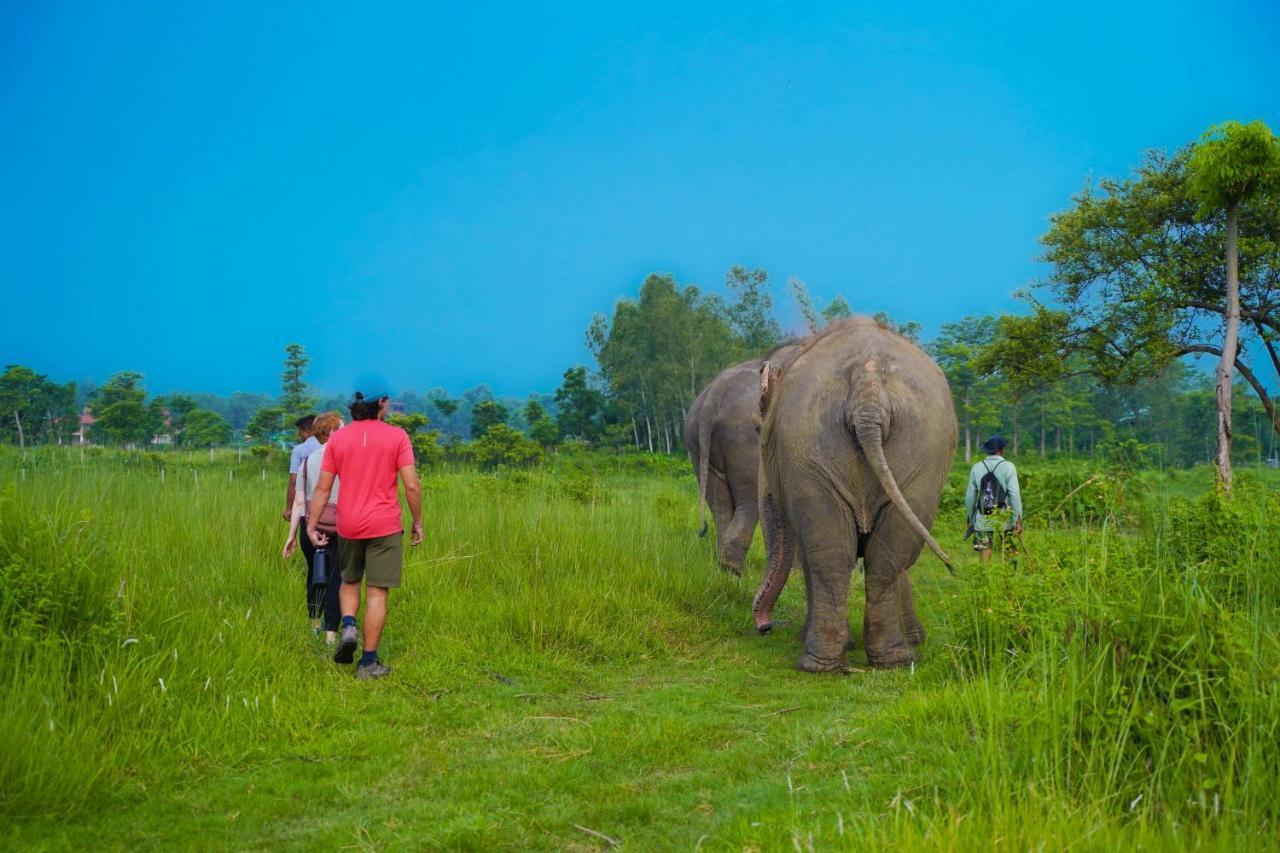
443,194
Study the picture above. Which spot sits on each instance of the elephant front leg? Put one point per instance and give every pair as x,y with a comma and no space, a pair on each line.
780,546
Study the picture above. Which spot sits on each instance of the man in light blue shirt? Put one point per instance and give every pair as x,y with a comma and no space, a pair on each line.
985,516
307,444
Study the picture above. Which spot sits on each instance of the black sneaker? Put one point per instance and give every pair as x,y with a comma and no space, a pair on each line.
374,669
347,642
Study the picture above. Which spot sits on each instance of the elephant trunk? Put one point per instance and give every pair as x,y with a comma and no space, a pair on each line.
781,554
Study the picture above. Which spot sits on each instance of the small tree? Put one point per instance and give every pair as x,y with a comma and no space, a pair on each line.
1232,163
264,425
751,312
296,399
542,428
487,414
122,416
502,445
581,406
445,406
202,428
19,390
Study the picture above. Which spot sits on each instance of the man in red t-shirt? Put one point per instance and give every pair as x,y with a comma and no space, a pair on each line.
366,456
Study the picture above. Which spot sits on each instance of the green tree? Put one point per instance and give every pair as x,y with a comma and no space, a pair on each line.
958,350
750,314
179,406
202,428
32,407
485,415
445,406
426,443
581,406
502,445
910,329
655,355
837,309
1233,163
542,427
121,415
1139,279
265,424
296,398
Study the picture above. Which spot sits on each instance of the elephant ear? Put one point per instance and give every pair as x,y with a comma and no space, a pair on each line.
770,373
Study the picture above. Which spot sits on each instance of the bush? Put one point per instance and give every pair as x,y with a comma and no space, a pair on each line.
502,445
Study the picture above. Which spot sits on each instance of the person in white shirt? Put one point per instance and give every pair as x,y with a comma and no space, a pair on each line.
322,599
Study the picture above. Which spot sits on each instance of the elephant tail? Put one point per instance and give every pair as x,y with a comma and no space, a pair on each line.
704,464
869,429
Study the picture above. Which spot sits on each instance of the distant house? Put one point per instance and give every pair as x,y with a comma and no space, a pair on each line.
81,435
396,407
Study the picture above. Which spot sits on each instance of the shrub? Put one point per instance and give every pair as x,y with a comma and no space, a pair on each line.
502,445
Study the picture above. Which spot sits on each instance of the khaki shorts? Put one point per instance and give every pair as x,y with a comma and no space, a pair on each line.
377,561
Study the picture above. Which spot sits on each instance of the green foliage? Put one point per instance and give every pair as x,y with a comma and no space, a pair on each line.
542,427
33,409
750,315
1124,456
487,414
503,446
1231,162
265,425
121,416
296,398
426,443
204,429
445,406
581,406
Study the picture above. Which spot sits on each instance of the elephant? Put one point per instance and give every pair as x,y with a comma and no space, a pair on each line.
857,435
721,436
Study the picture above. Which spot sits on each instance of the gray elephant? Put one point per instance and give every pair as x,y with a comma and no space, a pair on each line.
857,435
721,435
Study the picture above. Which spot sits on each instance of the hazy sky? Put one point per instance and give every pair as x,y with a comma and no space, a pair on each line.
445,193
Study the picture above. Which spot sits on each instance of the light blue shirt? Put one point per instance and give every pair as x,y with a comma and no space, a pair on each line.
302,451
1007,475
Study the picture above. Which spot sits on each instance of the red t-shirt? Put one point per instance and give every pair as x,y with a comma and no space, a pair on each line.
366,456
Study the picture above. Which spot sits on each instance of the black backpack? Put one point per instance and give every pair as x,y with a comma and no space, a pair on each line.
991,495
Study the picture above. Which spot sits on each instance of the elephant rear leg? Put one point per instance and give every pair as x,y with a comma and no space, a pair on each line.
720,500
829,542
890,629
742,526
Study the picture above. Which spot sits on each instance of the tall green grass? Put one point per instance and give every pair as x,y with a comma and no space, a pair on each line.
566,655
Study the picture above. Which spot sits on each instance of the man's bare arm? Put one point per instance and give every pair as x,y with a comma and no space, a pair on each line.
413,494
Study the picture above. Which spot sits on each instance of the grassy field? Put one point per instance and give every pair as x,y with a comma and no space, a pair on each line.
572,671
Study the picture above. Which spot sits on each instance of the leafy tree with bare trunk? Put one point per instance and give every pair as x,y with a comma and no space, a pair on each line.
1232,163
1140,278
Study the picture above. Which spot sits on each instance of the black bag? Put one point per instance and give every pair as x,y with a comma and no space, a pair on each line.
991,494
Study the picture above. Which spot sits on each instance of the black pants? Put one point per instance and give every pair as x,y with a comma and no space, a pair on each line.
322,599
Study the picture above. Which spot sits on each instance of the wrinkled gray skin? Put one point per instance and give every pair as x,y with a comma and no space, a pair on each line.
857,436
721,434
